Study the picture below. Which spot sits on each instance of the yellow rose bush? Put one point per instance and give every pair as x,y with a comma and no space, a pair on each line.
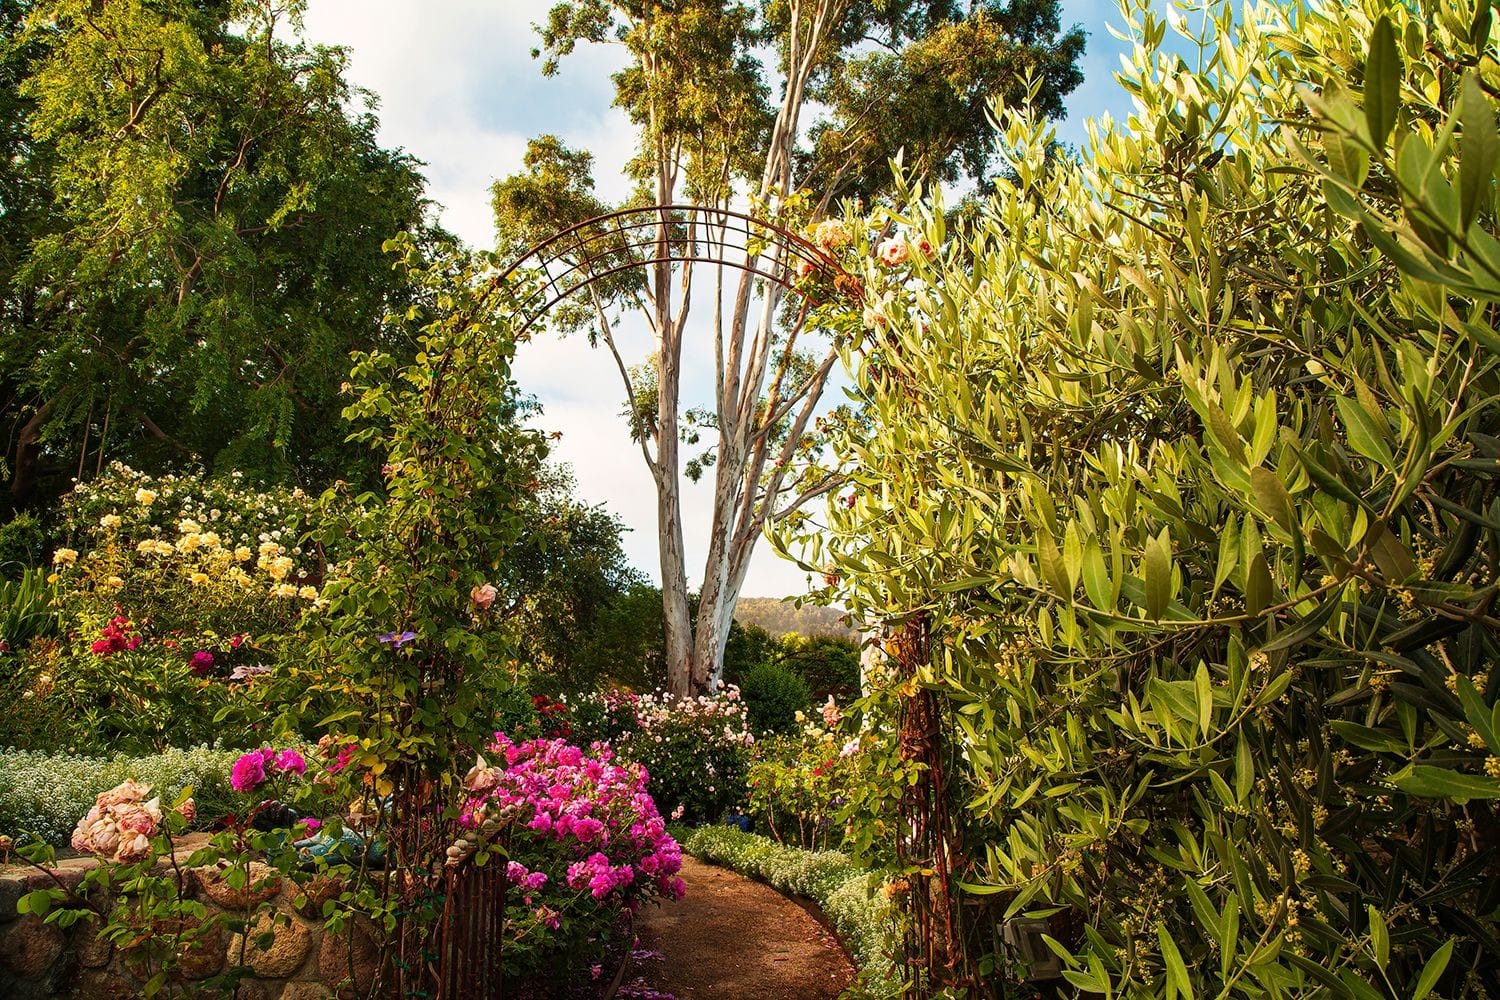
176,595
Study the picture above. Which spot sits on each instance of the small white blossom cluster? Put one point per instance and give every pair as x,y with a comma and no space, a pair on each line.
659,709
43,795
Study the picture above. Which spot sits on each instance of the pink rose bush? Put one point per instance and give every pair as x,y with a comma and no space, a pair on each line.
583,835
122,823
695,750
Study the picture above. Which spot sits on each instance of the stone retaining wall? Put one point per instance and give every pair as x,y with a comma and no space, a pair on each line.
42,960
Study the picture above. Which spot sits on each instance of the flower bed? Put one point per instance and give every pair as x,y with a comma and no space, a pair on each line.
584,841
694,750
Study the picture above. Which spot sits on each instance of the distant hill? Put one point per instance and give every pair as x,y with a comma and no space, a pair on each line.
781,617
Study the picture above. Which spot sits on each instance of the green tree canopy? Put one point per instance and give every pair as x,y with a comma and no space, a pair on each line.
1175,493
202,246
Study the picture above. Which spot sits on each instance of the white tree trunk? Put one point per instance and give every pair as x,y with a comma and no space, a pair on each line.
746,369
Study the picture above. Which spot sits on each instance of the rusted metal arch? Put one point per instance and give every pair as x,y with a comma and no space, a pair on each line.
637,238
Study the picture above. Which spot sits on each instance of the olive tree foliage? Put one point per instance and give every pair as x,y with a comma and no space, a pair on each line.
892,77
197,246
1188,452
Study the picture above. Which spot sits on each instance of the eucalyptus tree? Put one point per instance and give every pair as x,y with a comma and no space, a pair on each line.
722,96
200,242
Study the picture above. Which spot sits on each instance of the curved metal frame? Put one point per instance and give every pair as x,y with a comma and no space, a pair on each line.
588,252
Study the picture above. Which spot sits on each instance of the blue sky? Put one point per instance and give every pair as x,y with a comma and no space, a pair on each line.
459,90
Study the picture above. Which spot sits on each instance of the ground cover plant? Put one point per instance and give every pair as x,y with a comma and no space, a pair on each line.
42,795
1174,493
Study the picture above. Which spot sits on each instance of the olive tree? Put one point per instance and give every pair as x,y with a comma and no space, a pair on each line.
1183,458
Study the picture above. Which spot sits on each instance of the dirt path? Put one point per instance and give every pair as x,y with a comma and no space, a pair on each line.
733,939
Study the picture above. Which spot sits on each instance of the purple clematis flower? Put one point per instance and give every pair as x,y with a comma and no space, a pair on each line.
397,639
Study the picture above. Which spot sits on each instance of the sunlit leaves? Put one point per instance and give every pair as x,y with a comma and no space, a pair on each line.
1237,385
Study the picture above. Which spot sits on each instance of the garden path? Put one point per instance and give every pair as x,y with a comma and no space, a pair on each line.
732,938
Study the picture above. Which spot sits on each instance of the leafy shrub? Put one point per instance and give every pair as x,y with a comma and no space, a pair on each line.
583,842
42,795
1175,494
799,783
694,749
828,663
848,895
773,696
21,543
26,611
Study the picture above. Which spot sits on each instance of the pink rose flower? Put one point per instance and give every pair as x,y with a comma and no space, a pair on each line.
290,760
248,772
483,596
893,252
136,848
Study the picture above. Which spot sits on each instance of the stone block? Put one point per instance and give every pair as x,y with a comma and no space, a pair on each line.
349,949
12,888
92,948
105,984
204,955
318,890
28,947
289,947
213,884
306,991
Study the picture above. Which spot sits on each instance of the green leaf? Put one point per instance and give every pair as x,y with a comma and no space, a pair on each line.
1096,576
1244,770
1050,562
1258,585
1203,687
1481,150
1380,938
1178,981
1275,689
1364,436
1305,628
1433,970
1477,714
36,903
1158,575
1430,782
1271,496
1229,935
1368,739
1383,73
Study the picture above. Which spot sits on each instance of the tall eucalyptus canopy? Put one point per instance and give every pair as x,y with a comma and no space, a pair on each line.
723,98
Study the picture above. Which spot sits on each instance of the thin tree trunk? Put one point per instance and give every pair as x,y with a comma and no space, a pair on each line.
28,455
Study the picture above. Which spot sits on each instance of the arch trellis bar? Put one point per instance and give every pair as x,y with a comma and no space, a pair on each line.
637,238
